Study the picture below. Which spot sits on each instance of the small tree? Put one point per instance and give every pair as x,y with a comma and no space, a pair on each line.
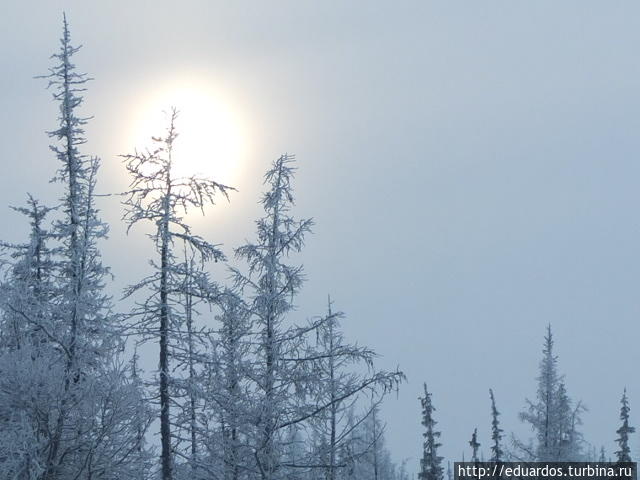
475,446
496,431
227,399
29,286
624,452
431,462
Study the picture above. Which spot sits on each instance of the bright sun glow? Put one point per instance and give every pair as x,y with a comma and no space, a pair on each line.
211,141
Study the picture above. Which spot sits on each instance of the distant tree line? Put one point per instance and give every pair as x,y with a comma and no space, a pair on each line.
554,419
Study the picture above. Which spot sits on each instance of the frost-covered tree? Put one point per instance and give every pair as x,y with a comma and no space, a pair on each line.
624,452
226,423
342,388
496,432
84,328
570,446
543,415
233,367
271,285
430,463
83,303
371,459
191,360
72,418
28,287
553,417
156,195
141,461
293,381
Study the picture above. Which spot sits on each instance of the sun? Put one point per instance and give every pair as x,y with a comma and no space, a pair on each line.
211,141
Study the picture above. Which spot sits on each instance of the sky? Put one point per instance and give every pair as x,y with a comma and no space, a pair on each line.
471,167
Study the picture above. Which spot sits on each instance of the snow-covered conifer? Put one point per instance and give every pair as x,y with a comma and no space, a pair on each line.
431,462
624,452
553,417
496,431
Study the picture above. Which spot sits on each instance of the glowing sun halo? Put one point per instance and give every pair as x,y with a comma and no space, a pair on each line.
210,142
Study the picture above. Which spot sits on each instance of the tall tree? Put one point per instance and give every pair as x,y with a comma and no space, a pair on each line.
84,328
157,196
430,463
272,285
624,452
294,382
77,395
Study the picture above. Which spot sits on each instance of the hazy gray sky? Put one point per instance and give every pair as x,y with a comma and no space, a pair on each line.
472,168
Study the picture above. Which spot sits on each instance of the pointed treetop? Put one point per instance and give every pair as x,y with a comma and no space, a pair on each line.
624,452
496,431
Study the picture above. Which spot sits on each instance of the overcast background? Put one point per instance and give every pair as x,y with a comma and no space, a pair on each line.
472,168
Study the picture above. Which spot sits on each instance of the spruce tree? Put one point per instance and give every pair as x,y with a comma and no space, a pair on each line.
431,462
624,452
553,416
602,457
496,431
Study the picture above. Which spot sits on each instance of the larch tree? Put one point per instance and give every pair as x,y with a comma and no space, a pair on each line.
195,291
157,196
336,362
271,285
77,395
141,458
29,283
370,457
84,324
226,393
294,381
